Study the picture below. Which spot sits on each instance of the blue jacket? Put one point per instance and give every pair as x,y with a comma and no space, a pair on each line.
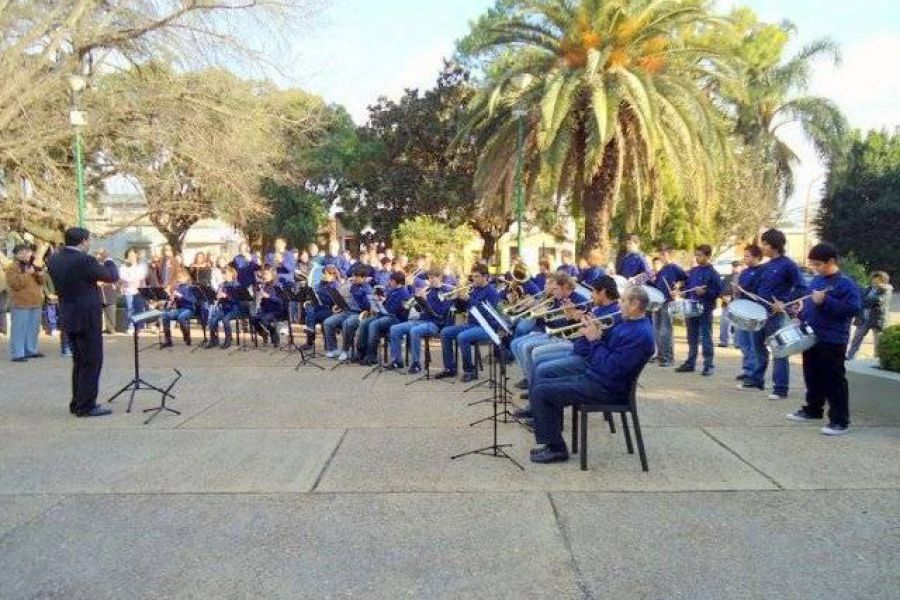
381,277
617,357
779,278
748,277
246,270
479,295
273,304
540,280
582,345
670,274
338,261
708,276
568,269
394,302
186,299
440,307
591,274
831,320
361,293
228,304
633,264
322,291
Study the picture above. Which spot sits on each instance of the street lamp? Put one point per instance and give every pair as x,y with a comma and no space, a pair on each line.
77,119
520,115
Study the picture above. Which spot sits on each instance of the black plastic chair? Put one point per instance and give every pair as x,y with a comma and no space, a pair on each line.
580,414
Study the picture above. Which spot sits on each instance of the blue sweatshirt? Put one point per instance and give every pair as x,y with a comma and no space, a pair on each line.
246,270
322,291
632,265
571,270
381,277
360,293
671,274
582,345
273,303
338,261
591,274
394,302
616,358
540,280
440,307
487,293
779,278
831,320
708,276
185,297
228,304
748,277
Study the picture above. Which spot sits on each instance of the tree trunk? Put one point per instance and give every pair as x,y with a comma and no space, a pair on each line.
174,229
599,196
490,244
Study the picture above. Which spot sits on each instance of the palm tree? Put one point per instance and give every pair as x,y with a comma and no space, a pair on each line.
613,91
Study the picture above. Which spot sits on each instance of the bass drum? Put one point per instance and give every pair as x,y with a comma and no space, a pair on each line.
621,283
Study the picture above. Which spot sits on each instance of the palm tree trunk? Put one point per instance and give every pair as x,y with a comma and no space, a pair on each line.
599,197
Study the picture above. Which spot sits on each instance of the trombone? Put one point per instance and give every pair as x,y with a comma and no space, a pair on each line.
456,292
573,331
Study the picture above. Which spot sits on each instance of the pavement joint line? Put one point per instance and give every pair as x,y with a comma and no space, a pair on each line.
742,459
567,545
328,462
197,414
40,515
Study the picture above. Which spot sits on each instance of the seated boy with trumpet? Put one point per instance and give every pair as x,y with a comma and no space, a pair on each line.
373,328
331,277
428,325
347,321
225,310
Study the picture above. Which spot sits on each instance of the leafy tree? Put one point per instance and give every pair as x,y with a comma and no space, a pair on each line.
861,208
295,214
430,235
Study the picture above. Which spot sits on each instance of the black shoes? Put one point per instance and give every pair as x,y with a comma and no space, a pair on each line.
522,384
445,374
546,455
469,377
36,355
523,413
97,411
414,369
19,359
708,371
227,344
685,368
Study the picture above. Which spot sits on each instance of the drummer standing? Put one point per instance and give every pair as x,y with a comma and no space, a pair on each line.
703,285
835,299
746,339
669,277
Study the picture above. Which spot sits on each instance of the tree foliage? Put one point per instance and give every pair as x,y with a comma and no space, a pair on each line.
430,235
861,207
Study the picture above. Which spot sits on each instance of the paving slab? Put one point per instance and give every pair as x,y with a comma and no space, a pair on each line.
166,461
18,510
293,546
407,460
830,544
799,457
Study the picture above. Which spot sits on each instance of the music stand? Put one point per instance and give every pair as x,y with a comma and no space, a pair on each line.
154,294
342,304
242,296
425,309
203,295
495,449
162,407
138,383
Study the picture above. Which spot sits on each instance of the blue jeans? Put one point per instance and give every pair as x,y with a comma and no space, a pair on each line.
416,331
747,343
552,350
370,332
556,366
726,329
52,314
780,366
523,350
23,338
662,326
216,316
332,324
133,305
548,399
182,315
448,334
699,331
524,327
466,340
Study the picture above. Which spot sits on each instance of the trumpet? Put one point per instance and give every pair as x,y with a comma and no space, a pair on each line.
455,292
573,331
534,311
524,302
559,312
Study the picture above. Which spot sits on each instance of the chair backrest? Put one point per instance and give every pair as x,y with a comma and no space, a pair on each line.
632,391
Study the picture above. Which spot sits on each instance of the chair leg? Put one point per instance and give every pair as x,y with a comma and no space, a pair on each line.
627,432
640,440
609,420
574,429
584,442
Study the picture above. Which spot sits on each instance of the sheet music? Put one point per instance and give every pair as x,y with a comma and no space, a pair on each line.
475,312
497,317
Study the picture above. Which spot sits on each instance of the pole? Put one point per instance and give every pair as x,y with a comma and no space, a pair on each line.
520,193
79,176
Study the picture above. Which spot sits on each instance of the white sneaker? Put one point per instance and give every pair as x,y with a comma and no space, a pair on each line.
800,416
777,397
343,356
283,331
832,429
332,354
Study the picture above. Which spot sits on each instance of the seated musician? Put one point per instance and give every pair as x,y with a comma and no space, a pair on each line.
272,309
374,328
544,272
224,311
318,314
614,361
428,325
382,274
347,321
469,334
561,287
527,288
180,308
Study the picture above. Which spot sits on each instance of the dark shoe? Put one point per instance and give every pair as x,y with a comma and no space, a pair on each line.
746,384
414,369
469,377
722,345
19,359
663,363
536,451
523,413
394,365
802,416
97,411
527,422
708,371
522,384
166,344
550,456
36,355
524,396
308,347
445,375
227,344
741,377
685,368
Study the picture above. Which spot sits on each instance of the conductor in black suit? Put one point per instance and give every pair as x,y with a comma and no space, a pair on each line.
75,275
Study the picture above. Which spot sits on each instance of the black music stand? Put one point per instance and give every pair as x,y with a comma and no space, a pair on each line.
377,306
203,295
154,294
496,449
162,406
424,309
242,296
137,383
288,296
344,306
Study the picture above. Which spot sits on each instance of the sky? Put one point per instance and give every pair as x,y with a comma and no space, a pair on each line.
358,50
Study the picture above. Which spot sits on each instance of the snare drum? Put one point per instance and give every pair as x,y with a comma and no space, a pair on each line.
794,338
656,298
747,315
685,308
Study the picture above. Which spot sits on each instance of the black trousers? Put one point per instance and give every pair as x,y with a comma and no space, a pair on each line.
87,362
825,377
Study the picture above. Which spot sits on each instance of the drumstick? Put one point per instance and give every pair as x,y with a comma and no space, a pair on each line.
754,296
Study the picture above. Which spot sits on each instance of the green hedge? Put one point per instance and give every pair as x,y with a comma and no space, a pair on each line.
889,348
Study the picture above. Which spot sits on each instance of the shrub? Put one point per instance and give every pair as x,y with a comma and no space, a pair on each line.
427,235
889,348
855,269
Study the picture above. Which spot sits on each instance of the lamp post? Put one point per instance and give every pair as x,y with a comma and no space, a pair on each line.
77,119
520,167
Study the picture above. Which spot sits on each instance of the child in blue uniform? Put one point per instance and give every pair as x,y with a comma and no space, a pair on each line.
706,284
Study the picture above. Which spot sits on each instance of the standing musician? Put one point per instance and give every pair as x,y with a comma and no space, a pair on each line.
470,333
704,285
544,271
522,286
669,277
334,258
75,275
426,326
383,273
567,266
317,314
779,281
225,310
634,265
595,267
179,308
272,309
246,267
835,299
372,330
746,340
615,360
347,321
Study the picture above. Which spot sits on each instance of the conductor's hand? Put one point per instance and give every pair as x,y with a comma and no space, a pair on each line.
590,329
